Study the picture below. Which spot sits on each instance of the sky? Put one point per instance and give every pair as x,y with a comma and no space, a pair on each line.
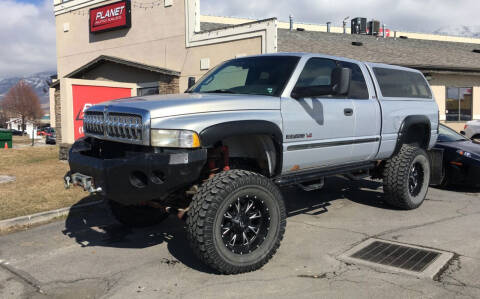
27,27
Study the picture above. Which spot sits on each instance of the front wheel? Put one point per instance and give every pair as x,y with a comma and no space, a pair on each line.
406,178
236,221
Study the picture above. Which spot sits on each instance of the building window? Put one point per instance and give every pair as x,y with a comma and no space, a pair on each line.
147,91
459,102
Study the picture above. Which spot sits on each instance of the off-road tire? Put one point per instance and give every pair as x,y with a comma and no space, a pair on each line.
136,216
396,177
207,213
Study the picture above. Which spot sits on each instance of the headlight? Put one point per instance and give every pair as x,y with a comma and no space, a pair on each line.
467,154
174,138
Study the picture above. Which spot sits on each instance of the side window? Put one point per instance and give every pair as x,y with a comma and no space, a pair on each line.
358,86
402,84
317,72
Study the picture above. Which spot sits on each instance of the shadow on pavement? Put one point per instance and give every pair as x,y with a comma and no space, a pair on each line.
96,227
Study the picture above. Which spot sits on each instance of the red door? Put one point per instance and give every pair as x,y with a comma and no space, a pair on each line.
85,96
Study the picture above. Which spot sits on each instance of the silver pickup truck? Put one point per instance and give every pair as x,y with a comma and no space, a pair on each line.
218,154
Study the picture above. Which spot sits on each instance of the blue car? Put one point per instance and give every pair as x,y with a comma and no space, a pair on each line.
461,158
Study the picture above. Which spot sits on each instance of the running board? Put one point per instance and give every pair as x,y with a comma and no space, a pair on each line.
312,186
319,173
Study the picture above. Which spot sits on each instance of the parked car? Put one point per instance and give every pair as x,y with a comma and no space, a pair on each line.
51,138
18,132
461,158
219,153
45,131
472,130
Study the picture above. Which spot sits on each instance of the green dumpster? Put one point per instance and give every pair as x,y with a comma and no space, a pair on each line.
5,138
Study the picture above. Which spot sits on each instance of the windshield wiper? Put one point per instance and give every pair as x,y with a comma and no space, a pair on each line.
219,91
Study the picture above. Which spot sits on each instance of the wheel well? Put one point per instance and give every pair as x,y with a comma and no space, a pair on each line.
258,152
419,134
476,136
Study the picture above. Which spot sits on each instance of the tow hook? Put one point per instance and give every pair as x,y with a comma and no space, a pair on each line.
67,182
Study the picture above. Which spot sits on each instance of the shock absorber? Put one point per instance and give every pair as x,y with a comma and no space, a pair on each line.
218,158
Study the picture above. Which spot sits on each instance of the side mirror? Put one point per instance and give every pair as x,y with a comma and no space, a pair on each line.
341,78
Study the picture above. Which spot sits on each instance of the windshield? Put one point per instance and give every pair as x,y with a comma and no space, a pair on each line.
448,135
262,75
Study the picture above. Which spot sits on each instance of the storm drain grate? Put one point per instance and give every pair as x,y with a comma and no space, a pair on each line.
398,256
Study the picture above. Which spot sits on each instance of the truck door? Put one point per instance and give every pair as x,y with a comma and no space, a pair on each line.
366,111
319,131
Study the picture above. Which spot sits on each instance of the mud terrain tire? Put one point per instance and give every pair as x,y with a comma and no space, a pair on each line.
236,221
406,178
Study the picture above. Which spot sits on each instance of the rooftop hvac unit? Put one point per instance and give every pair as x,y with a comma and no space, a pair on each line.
373,27
359,26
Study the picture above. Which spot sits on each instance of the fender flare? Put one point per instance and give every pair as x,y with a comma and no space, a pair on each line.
211,135
407,123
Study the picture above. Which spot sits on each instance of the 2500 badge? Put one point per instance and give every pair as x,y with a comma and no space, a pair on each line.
299,136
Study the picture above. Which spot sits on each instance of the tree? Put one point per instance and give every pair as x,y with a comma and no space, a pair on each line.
3,118
22,101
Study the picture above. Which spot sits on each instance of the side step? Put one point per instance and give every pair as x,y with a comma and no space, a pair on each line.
312,186
318,174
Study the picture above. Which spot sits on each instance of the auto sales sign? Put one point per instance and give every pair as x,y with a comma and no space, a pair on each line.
110,17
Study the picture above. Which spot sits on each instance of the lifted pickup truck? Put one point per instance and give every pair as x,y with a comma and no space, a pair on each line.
217,154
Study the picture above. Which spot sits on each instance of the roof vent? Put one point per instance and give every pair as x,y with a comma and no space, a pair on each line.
300,29
476,50
358,44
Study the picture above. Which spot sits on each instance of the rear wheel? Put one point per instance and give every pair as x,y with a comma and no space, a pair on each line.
236,221
136,216
406,178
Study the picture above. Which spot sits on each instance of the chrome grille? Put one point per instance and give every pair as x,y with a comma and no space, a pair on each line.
114,125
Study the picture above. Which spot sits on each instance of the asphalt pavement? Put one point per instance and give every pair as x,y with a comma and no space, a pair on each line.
89,255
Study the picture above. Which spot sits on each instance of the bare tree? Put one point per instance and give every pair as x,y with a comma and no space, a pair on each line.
22,101
3,118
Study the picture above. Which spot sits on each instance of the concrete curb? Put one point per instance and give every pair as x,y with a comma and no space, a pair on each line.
38,218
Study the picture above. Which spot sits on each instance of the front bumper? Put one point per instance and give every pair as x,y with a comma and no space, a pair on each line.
136,176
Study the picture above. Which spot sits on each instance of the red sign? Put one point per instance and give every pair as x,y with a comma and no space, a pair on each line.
85,96
111,16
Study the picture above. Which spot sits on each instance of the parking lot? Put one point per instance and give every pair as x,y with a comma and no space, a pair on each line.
88,255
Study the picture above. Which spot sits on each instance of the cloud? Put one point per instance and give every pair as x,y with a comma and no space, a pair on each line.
408,15
27,37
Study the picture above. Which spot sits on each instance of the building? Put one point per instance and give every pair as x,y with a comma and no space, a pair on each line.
15,123
109,49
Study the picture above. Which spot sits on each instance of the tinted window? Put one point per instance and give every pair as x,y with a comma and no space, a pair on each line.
265,75
399,83
358,86
317,72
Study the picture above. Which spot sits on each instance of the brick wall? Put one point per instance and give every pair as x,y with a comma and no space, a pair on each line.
58,116
169,85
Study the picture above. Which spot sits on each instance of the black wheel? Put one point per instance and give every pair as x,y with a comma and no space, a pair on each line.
406,178
236,221
136,216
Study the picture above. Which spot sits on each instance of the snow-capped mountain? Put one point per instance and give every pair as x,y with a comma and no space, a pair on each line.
38,81
459,30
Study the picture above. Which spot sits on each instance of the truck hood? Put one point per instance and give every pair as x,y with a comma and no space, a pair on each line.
191,103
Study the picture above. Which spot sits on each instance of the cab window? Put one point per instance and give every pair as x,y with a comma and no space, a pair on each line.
358,86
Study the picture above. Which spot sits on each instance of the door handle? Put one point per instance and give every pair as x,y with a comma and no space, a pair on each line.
348,111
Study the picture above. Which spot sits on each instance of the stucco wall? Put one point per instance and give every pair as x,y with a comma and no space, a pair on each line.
156,37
